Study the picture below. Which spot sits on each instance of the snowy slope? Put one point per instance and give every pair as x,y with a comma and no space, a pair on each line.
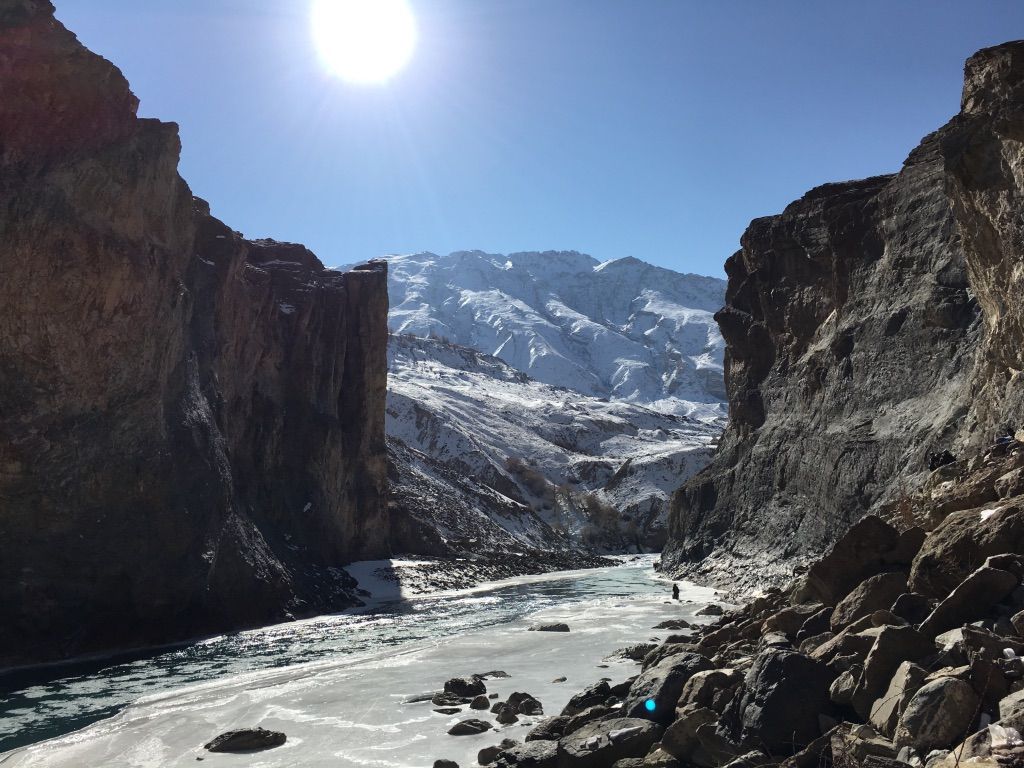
623,329
485,456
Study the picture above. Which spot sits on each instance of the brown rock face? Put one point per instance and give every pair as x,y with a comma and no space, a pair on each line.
191,424
870,324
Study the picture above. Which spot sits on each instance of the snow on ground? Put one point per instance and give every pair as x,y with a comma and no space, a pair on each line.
622,329
531,450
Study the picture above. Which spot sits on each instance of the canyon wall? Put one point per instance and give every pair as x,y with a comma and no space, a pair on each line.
868,325
191,423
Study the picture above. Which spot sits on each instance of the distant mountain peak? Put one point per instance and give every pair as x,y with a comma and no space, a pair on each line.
622,329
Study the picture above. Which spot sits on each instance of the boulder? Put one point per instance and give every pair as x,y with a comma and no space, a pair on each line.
892,647
856,745
675,624
506,715
246,740
842,688
701,688
597,693
449,700
816,624
480,702
535,754
445,764
680,738
662,684
711,609
488,755
886,710
912,607
558,627
972,599
665,650
600,744
960,542
551,729
937,716
873,594
448,710
809,645
868,547
789,620
465,687
784,693
634,652
524,704
586,716
469,727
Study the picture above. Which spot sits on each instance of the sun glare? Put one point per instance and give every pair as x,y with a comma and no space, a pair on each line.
364,41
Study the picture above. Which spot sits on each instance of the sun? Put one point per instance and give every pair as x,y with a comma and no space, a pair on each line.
364,41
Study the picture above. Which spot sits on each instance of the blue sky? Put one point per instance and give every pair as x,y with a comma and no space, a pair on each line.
651,128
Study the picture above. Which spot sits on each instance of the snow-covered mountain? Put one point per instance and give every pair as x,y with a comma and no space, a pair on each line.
622,329
485,458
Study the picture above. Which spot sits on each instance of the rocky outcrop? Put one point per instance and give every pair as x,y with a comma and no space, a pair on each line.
866,690
191,424
870,324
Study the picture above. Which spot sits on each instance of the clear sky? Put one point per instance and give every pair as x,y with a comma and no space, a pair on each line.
650,128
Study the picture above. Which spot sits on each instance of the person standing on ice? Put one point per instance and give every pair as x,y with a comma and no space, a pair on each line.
675,591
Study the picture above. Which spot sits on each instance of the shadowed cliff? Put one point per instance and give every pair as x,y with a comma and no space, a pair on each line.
191,424
871,323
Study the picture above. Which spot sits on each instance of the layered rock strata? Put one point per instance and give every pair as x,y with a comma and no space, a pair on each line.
191,423
870,324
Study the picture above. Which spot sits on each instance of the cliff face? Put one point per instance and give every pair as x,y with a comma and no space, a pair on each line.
191,424
869,324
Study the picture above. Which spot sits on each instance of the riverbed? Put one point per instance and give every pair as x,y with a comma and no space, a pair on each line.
338,685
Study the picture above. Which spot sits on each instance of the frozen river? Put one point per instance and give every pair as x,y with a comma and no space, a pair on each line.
337,685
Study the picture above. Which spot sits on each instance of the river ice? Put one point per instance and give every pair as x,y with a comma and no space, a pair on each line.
348,708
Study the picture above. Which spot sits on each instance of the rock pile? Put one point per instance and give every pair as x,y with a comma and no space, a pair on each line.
903,646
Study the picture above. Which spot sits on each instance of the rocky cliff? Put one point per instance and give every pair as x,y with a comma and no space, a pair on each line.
870,324
191,424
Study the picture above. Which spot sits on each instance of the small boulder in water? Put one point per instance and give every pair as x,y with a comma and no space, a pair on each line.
469,727
445,764
506,715
558,627
448,710
711,610
246,740
480,702
465,686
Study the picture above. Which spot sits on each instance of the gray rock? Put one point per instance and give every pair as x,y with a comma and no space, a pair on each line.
506,715
595,694
465,687
600,744
711,609
551,729
912,607
886,710
534,754
873,594
469,727
680,738
445,764
892,647
488,755
246,740
673,624
663,685
784,693
972,599
938,716
701,688
448,710
559,627
480,702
